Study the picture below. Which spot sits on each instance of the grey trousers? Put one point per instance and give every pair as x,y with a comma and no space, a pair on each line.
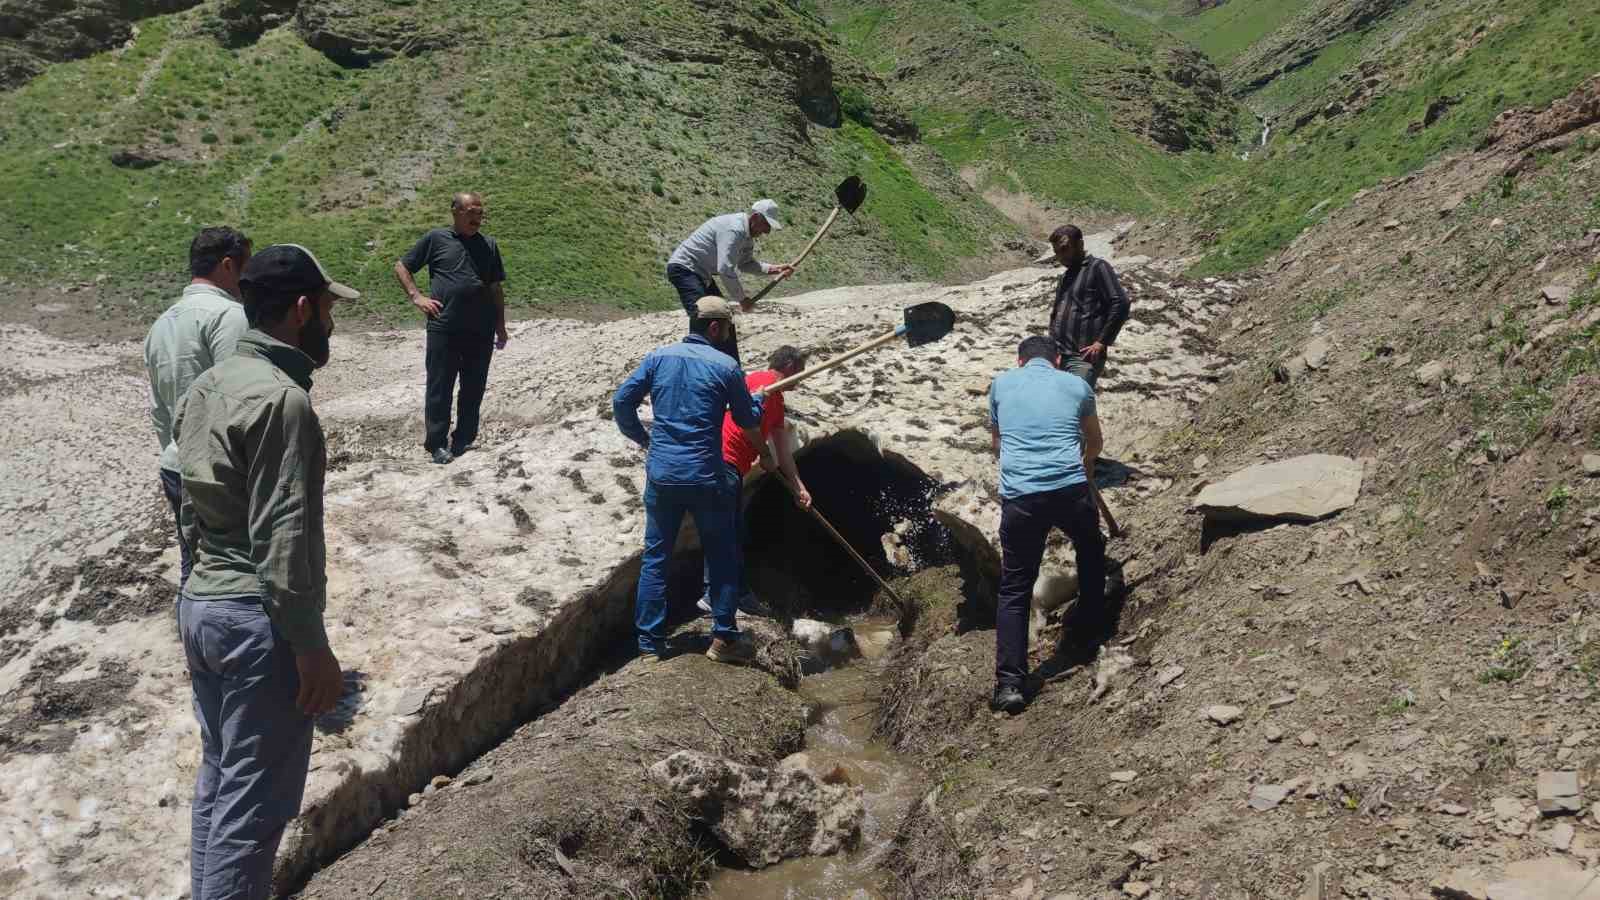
255,746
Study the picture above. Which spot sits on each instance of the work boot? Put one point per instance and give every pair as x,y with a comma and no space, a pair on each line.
459,449
1007,699
441,456
735,652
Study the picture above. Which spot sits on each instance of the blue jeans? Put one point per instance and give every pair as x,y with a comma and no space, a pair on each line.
713,507
255,746
738,540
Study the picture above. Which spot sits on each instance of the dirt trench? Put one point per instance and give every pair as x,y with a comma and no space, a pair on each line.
563,805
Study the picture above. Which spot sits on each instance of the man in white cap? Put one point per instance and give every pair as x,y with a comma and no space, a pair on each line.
725,246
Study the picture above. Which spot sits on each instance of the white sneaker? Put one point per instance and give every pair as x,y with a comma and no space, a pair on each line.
704,605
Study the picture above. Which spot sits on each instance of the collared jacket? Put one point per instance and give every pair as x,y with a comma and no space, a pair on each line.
193,335
1090,305
690,385
1039,412
252,457
721,246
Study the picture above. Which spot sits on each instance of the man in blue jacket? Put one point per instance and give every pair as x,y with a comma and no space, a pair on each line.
1048,437
691,385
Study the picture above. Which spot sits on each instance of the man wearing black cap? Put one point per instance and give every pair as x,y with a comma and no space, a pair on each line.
466,310
252,459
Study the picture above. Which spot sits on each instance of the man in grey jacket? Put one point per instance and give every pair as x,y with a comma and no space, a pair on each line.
194,334
252,457
723,246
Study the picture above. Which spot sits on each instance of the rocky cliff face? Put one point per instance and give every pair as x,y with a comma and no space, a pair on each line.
35,33
1297,43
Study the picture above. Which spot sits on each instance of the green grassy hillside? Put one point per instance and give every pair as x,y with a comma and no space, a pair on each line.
600,133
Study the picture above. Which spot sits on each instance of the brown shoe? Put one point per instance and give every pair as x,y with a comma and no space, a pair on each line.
737,652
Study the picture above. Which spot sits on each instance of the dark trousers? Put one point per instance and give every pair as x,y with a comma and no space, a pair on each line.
1072,361
172,487
691,287
255,746
1025,523
448,356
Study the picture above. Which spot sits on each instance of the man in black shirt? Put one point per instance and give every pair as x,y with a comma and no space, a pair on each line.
466,310
1090,306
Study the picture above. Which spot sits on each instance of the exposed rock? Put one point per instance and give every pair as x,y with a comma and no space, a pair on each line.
1550,878
1559,837
1301,489
360,33
1591,464
1521,128
1123,777
1223,715
1430,372
1272,733
1559,794
764,815
1308,739
1461,884
1316,353
1264,797
1169,675
40,33
1319,883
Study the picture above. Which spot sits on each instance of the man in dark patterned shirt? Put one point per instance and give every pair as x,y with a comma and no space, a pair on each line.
1090,306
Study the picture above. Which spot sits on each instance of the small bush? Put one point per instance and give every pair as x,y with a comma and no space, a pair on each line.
369,171
657,188
168,137
209,137
472,148
854,105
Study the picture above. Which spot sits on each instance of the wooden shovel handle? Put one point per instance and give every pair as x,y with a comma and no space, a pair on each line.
803,254
848,355
843,543
1111,521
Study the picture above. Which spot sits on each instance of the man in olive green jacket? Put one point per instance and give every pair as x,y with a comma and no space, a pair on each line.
252,459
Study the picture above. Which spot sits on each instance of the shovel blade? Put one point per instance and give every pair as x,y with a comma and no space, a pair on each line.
850,193
928,322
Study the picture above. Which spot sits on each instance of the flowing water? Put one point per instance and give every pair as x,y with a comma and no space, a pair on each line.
843,701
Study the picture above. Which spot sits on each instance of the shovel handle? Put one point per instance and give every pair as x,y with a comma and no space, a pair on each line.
866,566
822,367
1111,521
803,254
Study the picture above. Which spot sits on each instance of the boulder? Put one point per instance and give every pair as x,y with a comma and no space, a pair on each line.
764,815
1558,793
1302,489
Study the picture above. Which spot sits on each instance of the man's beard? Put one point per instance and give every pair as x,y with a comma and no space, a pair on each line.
314,341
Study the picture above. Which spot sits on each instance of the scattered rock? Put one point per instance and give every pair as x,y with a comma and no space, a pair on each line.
1559,837
1430,373
1222,715
1309,739
1453,809
1591,464
1280,701
1316,353
1145,851
1319,883
1391,224
1555,293
1124,777
1169,675
412,702
1300,489
1462,884
1542,879
481,776
1136,889
764,815
1273,734
1558,793
1264,797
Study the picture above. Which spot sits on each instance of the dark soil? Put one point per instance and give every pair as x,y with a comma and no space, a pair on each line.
55,711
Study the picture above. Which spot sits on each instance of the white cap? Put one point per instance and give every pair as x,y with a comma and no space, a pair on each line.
769,211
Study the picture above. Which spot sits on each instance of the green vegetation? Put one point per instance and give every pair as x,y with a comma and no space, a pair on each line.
1509,661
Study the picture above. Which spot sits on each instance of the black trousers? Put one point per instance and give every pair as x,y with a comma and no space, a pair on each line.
1025,523
448,356
172,488
691,287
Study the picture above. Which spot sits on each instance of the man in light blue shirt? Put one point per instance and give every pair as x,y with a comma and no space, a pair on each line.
723,246
194,334
691,385
1048,437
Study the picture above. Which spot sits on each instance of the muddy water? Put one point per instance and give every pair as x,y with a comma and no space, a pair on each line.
843,701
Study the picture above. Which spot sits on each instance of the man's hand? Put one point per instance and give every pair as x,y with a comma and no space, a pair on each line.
501,338
802,497
1094,351
321,681
768,464
429,306
782,270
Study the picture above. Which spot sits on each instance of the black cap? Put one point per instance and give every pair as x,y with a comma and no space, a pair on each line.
291,268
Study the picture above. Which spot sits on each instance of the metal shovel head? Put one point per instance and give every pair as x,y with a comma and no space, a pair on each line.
850,193
928,322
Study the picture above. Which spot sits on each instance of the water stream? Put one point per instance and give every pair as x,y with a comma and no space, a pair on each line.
843,701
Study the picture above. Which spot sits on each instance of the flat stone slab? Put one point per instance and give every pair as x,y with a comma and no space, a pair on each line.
1559,794
1302,489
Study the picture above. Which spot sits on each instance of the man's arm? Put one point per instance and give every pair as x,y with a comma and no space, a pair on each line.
994,440
1093,443
729,259
1120,307
282,444
994,422
498,292
414,260
780,443
625,403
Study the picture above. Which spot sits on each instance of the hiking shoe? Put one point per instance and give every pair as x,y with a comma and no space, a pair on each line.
1008,700
735,652
442,457
462,448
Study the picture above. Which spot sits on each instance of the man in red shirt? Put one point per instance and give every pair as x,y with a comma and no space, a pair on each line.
741,456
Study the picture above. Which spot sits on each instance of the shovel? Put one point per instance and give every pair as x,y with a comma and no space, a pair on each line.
924,324
866,566
849,195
